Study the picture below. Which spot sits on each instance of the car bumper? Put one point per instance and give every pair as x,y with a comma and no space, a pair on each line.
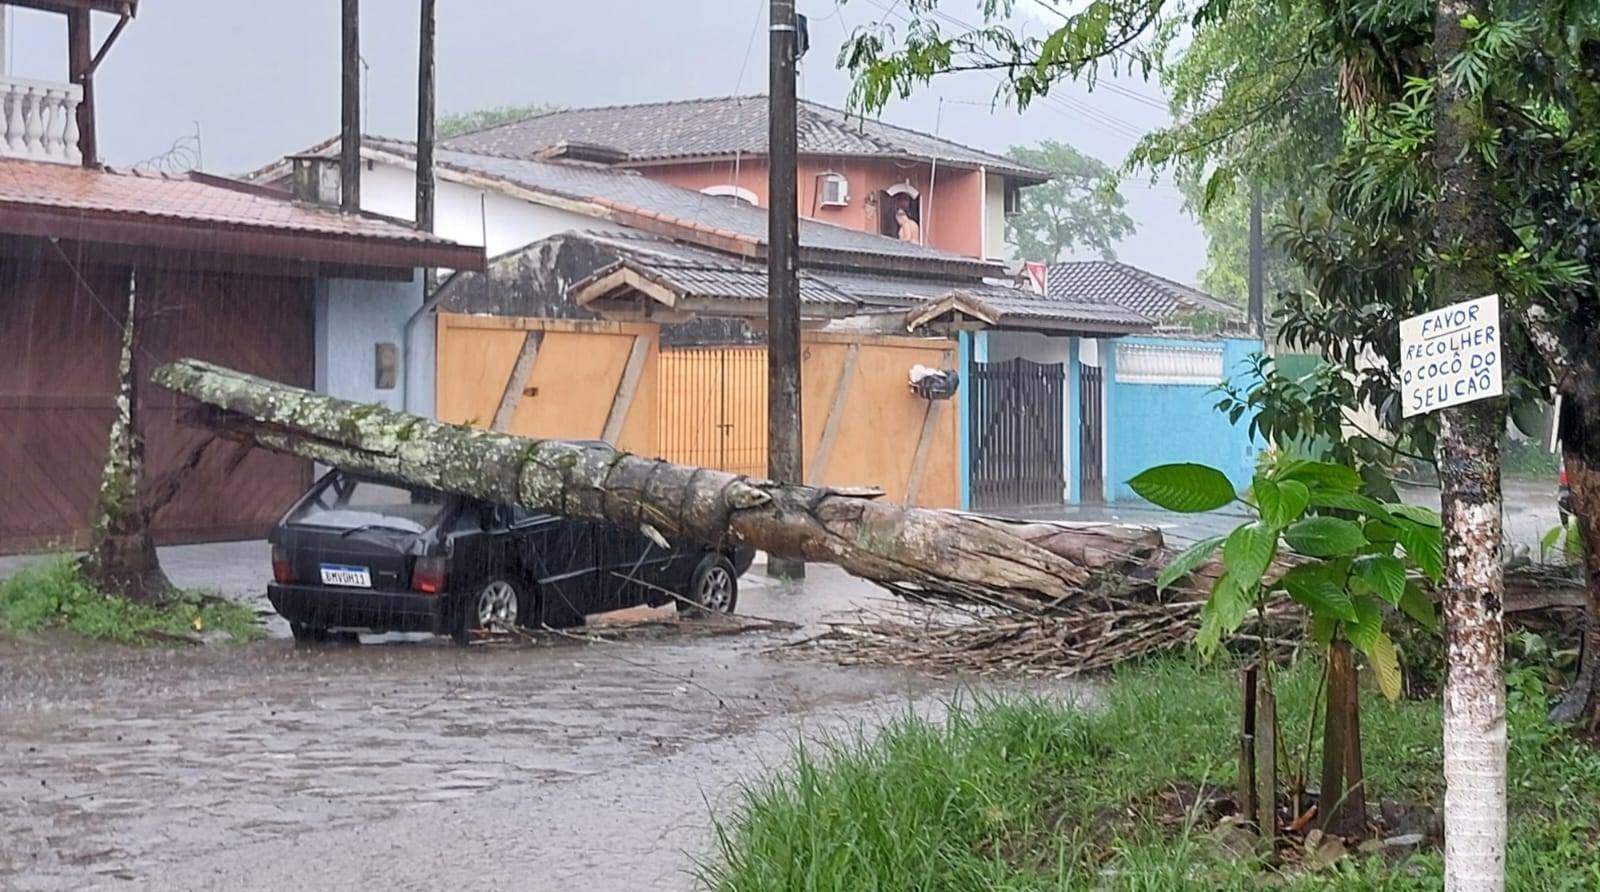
344,608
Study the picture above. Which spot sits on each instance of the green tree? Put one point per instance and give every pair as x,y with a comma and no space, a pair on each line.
1079,209
458,123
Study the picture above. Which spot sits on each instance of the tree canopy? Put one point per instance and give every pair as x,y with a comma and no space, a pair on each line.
1080,208
457,123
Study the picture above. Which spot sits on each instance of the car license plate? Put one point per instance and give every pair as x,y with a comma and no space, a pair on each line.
341,574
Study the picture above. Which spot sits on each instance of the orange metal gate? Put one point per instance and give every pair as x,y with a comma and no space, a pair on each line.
713,408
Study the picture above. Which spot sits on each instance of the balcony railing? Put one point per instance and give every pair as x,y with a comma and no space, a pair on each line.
39,120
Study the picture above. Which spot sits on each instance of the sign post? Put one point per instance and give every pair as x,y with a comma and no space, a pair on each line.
1451,356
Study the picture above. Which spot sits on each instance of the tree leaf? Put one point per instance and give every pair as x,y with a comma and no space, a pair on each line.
1248,552
1224,612
1367,626
1415,513
1280,503
1416,604
1385,666
1322,628
1310,586
1324,537
1185,487
1321,474
1425,547
1351,501
1548,541
1190,558
1385,574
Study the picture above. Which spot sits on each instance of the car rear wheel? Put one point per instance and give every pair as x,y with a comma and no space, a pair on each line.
714,587
499,603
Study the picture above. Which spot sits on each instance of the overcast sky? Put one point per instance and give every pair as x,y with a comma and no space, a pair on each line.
262,80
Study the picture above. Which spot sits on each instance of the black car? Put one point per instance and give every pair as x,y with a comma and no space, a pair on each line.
357,553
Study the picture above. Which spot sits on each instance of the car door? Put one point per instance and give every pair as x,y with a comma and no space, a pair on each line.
631,567
558,554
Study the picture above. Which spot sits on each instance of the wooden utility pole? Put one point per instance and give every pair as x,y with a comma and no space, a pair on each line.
425,101
1257,250
350,107
783,248
80,67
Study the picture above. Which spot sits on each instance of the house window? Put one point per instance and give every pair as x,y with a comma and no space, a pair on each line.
1013,198
1161,364
834,189
738,193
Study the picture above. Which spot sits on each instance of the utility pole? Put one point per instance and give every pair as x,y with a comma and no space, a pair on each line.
1257,286
350,107
425,100
784,460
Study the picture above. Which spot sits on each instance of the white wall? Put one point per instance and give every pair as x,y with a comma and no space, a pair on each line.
353,316
994,218
464,214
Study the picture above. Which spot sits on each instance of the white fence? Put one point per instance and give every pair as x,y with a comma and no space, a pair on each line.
39,120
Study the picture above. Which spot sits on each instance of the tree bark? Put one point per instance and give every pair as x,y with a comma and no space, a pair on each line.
1581,702
1031,567
1466,234
122,558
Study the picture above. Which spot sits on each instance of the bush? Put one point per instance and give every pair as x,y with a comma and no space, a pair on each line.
53,593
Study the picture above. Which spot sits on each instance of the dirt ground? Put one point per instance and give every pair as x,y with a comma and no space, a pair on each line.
406,763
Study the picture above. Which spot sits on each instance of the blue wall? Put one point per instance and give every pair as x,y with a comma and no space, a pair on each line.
1153,424
353,316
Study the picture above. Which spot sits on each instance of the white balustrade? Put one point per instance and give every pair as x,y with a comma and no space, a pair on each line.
39,120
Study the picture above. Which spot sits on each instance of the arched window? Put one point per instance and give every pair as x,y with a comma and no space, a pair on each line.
731,191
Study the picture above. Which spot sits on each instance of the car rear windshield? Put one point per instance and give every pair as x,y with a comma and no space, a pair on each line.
347,502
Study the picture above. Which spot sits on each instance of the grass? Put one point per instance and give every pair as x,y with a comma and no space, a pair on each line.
1033,795
53,593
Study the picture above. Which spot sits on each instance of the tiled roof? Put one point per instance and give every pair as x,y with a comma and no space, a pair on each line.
724,126
627,191
1014,303
709,274
160,198
1127,286
700,273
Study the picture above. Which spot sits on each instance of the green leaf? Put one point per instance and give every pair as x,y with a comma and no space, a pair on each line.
1351,501
1385,574
1367,626
1528,416
1324,537
1415,513
1425,547
1248,552
1225,610
1378,531
1385,666
1280,503
1189,488
1310,587
1417,605
1322,628
1184,563
1548,541
1321,474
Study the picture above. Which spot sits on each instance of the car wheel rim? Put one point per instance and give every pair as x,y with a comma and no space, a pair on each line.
716,590
497,605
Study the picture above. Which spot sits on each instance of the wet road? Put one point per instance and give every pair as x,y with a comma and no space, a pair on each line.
557,764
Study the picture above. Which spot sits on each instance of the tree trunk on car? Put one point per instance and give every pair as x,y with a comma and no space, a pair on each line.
917,551
122,558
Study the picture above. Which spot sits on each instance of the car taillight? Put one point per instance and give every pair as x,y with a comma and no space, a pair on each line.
1563,476
428,575
282,569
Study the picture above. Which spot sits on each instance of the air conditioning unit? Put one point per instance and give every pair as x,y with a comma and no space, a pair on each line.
835,190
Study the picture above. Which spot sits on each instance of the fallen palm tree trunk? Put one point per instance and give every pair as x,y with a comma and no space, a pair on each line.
923,553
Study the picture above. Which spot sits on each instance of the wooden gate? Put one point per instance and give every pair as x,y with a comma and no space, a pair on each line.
1091,435
1017,434
713,408
559,378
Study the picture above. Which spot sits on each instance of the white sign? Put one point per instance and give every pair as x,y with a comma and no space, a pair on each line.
1451,356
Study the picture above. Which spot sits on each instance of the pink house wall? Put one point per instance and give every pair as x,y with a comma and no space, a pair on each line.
952,211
